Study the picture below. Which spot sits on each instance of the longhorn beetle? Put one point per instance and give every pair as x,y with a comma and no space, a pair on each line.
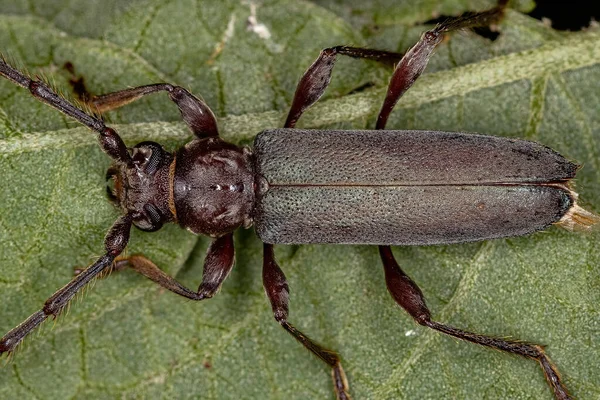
325,186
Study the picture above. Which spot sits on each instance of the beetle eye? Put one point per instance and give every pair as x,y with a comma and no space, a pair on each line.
151,221
148,156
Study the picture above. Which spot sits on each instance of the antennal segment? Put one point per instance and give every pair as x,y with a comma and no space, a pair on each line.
110,141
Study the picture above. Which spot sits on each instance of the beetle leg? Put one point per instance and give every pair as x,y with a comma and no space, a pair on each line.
194,111
408,295
277,291
114,243
217,266
197,115
315,80
416,58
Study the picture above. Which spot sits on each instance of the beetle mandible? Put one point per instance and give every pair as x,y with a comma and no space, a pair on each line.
477,187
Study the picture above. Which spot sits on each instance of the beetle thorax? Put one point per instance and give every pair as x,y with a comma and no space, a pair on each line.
213,187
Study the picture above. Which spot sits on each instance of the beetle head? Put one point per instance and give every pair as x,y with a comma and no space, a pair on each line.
143,187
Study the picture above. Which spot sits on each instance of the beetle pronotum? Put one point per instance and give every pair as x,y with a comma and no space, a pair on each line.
479,187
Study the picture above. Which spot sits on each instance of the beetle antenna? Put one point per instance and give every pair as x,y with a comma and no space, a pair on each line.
114,243
109,139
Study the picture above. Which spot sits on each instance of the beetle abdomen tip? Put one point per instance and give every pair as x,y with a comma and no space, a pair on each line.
579,219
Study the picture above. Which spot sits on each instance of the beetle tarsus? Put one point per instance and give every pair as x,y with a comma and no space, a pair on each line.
340,382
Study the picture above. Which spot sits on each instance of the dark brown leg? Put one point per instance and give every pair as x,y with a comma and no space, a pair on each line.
404,291
277,290
315,80
217,266
408,295
415,60
114,243
196,114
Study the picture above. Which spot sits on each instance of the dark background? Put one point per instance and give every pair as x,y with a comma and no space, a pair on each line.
567,15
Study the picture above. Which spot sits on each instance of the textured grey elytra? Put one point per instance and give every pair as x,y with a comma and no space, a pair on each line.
405,187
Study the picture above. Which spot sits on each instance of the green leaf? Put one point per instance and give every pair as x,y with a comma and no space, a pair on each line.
129,339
